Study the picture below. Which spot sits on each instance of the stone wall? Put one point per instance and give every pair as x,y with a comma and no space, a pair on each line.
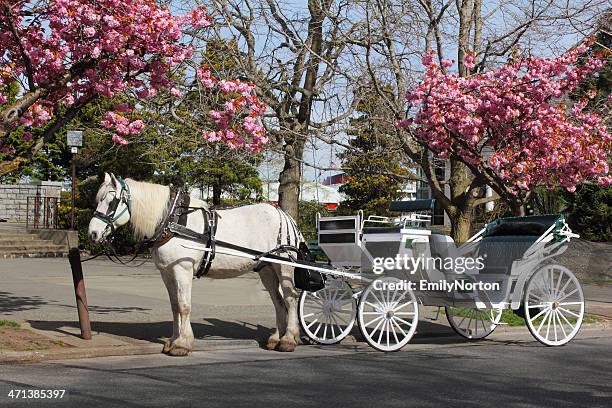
14,198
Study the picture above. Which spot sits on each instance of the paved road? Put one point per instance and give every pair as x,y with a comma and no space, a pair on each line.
444,373
132,302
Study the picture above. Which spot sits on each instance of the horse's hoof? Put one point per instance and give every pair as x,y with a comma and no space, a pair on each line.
286,346
272,344
178,351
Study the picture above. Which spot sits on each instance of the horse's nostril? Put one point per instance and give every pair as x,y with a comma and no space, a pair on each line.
93,235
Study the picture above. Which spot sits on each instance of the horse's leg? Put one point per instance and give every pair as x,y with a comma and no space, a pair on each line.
269,278
170,282
291,336
181,274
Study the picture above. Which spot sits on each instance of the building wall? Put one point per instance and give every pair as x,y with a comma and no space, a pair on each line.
14,198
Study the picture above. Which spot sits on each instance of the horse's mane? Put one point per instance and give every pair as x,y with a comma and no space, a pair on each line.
149,206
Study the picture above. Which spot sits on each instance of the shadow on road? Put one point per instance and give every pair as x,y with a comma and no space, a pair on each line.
10,303
157,332
212,328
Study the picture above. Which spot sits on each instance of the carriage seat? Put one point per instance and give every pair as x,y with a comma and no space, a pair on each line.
506,243
442,246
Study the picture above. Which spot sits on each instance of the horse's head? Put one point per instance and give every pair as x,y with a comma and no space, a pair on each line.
113,206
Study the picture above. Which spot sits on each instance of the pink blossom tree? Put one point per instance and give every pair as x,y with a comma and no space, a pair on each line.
513,127
65,53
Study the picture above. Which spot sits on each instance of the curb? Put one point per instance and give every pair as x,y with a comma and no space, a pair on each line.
24,357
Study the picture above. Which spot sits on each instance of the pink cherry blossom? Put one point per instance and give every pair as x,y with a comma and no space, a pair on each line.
512,122
119,140
79,49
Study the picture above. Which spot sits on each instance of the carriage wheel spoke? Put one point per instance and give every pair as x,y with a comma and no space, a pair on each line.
337,316
382,330
377,299
484,327
462,320
375,307
558,283
401,306
539,298
317,301
567,295
541,305
404,321
471,314
388,327
312,323
569,311
372,321
393,319
561,325
392,327
318,328
570,303
562,290
393,298
551,281
543,320
566,321
345,301
538,315
377,326
555,324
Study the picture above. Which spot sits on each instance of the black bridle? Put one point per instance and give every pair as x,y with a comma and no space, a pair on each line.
111,216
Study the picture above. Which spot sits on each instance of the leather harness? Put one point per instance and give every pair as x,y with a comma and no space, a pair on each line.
175,225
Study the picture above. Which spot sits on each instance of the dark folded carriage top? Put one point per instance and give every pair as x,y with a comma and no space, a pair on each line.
412,205
535,225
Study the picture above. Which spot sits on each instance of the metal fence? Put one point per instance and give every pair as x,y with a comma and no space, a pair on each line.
42,212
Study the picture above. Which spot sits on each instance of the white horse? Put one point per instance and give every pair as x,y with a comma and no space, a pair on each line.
145,206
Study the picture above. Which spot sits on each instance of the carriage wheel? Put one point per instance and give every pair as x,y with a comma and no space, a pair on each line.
328,315
554,305
387,318
473,323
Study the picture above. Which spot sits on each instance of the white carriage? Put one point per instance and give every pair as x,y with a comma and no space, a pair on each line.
515,272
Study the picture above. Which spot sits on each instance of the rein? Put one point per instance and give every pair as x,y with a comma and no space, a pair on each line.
175,225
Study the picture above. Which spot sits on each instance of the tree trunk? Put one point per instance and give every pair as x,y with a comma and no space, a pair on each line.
216,199
461,225
518,209
290,178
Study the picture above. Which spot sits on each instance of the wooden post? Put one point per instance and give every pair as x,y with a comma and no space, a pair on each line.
74,256
73,189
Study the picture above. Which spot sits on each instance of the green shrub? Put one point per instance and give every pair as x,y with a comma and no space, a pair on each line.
307,219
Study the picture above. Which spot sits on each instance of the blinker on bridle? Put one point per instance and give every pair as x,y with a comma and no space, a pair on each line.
111,216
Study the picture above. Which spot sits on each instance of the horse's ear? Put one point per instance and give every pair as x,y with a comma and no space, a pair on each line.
115,181
107,178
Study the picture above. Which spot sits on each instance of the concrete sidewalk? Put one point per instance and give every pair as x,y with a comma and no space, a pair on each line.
130,311
599,299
